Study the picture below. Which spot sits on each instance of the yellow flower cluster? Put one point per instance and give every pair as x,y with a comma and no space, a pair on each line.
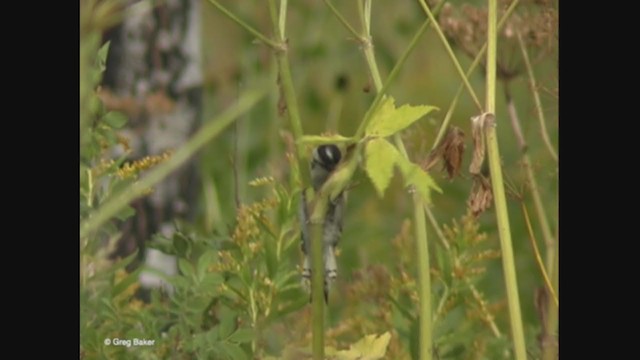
102,167
261,181
131,169
124,142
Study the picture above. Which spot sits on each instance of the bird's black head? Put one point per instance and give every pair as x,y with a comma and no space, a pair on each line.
327,156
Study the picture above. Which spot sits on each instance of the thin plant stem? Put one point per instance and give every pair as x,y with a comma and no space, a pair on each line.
488,317
472,93
244,25
367,45
549,344
436,228
395,71
532,184
341,18
515,121
317,290
497,183
317,265
209,131
536,253
472,67
424,278
536,98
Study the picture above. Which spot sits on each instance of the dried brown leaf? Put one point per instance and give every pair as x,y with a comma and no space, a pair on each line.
478,125
481,195
453,150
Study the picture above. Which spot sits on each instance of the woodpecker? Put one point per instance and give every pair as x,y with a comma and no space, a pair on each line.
324,161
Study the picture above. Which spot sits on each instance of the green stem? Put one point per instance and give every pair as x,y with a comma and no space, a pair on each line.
536,98
341,18
245,26
436,228
472,67
289,92
502,214
424,278
536,253
317,290
532,184
395,71
283,17
472,93
549,341
209,131
317,264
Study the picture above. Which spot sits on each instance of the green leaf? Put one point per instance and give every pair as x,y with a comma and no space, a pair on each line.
271,257
380,157
102,55
402,309
227,323
126,213
234,351
371,347
180,244
210,283
186,268
126,282
121,264
115,119
243,335
388,119
416,176
320,140
206,259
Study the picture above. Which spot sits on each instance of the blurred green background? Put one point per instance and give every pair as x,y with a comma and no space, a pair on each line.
334,91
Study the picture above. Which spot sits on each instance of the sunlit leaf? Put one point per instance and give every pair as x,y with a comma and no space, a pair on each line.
380,158
388,119
371,347
415,176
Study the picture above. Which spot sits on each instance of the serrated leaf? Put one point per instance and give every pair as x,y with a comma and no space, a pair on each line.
115,119
371,347
380,157
416,176
388,119
242,336
320,140
234,351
